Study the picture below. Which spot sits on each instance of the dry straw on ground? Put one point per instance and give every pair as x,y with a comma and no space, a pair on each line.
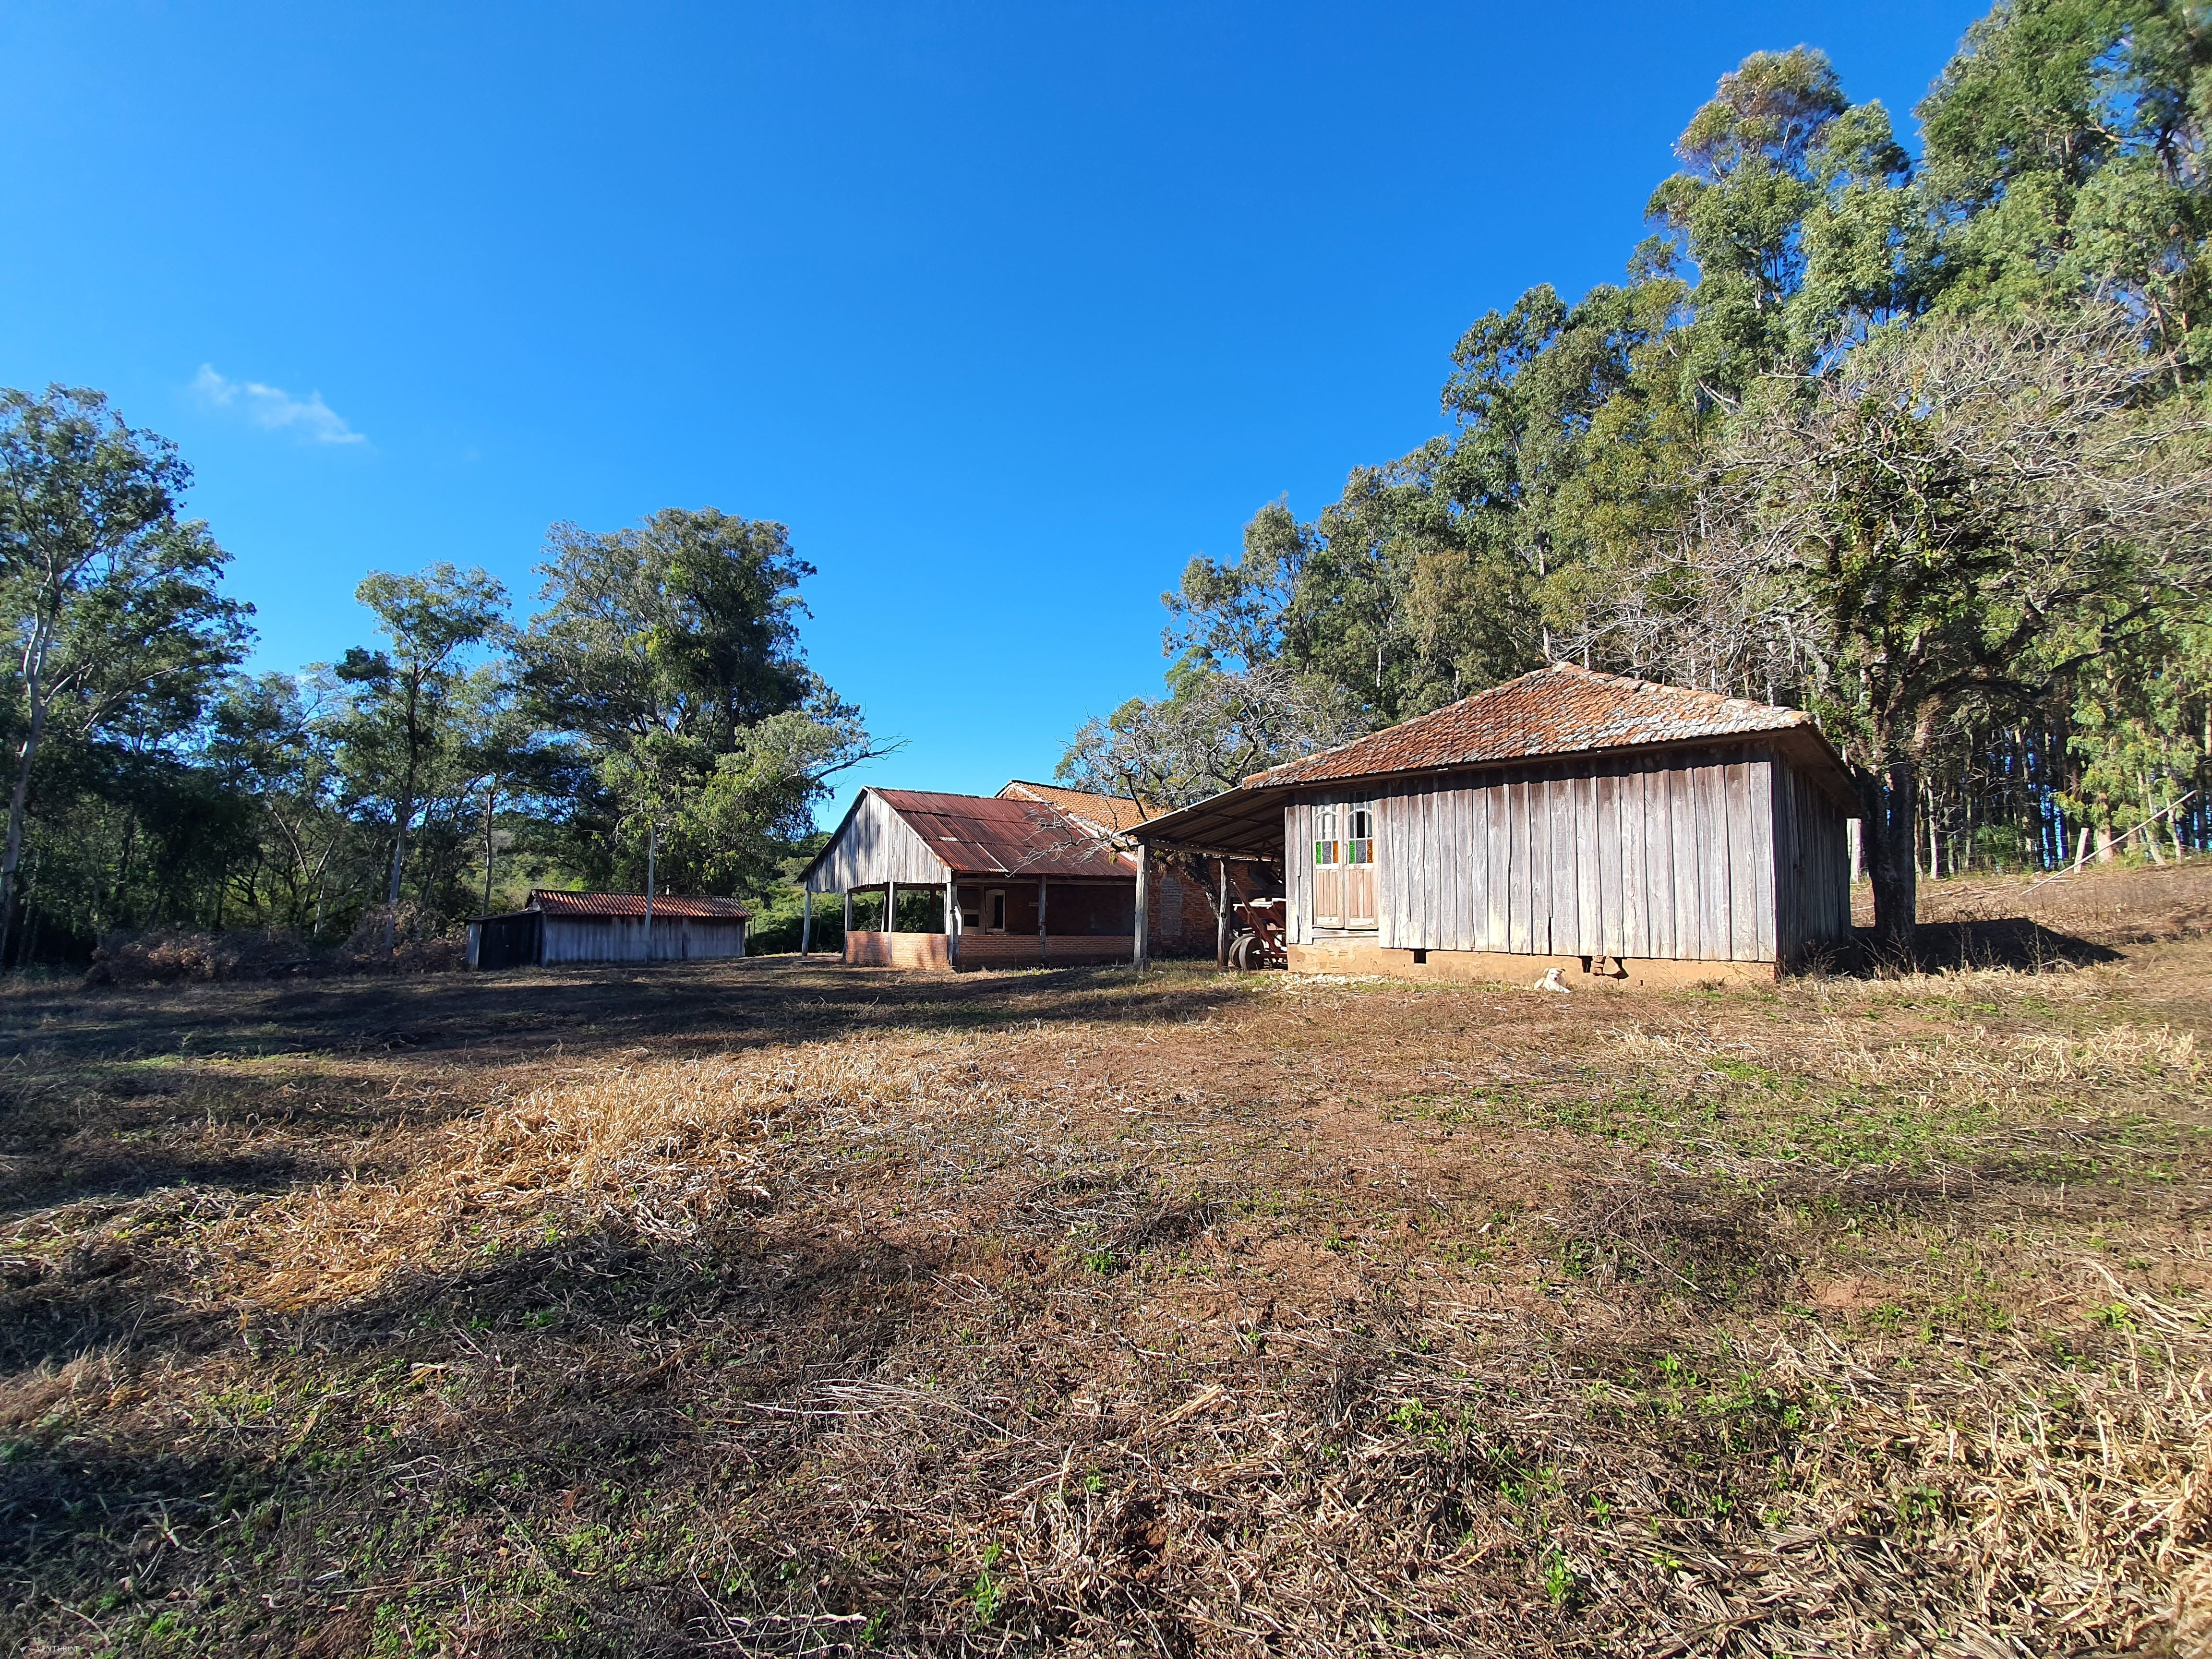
1076,1316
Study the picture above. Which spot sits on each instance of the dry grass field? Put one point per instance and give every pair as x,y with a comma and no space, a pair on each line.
748,1307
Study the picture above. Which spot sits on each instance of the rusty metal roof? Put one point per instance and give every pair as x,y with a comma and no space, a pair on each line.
1555,712
589,905
1560,710
1111,813
987,835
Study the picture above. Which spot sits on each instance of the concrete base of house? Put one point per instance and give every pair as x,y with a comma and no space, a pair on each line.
981,950
1348,956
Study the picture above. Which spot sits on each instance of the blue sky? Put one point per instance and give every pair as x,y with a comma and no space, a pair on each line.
1005,311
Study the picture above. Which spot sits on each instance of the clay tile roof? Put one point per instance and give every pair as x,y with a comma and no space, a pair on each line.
1110,813
555,902
983,834
1560,710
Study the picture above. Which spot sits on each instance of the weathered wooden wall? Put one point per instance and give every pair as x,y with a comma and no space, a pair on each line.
1669,858
1812,864
622,939
875,845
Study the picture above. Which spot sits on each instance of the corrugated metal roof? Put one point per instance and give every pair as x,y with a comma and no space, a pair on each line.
983,834
1560,710
555,902
1112,813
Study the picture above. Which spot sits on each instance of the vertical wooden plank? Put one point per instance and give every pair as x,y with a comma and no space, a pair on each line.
1496,867
1743,881
1558,871
1589,870
1419,855
1769,874
1713,932
1610,933
1605,801
1452,866
1628,807
1142,945
1220,917
1790,832
1779,797
1658,909
1475,823
1529,931
1711,831
1389,808
1298,864
1560,868
1521,893
1428,910
1682,850
1473,894
1436,879
1397,839
1835,871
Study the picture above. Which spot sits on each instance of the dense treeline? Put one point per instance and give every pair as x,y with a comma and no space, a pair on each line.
658,707
1918,444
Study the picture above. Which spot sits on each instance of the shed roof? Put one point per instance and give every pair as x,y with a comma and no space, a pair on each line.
1114,814
1560,710
1557,712
592,906
983,834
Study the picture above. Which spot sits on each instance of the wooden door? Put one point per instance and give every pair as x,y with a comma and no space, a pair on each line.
1328,868
1359,864
1344,865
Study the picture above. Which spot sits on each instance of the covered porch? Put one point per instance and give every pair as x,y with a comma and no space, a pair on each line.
983,918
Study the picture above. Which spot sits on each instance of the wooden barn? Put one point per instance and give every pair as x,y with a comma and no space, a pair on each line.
554,926
1033,875
1619,831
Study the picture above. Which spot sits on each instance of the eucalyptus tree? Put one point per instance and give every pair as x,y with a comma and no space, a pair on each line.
1970,511
669,654
400,733
271,745
119,626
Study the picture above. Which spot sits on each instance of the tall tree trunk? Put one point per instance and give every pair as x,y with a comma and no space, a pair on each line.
391,887
491,798
1885,803
34,668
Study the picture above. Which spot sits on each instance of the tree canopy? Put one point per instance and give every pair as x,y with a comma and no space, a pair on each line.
1918,442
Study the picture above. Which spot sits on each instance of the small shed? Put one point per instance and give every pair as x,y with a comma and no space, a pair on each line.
556,927
1035,875
1617,830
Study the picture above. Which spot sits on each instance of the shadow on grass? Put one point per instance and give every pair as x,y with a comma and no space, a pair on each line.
581,1009
2013,943
494,1406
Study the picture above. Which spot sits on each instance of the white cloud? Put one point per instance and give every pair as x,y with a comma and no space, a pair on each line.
275,408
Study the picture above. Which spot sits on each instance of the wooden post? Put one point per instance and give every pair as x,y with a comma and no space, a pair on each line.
1044,951
891,907
1221,921
952,918
1143,954
806,923
652,848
